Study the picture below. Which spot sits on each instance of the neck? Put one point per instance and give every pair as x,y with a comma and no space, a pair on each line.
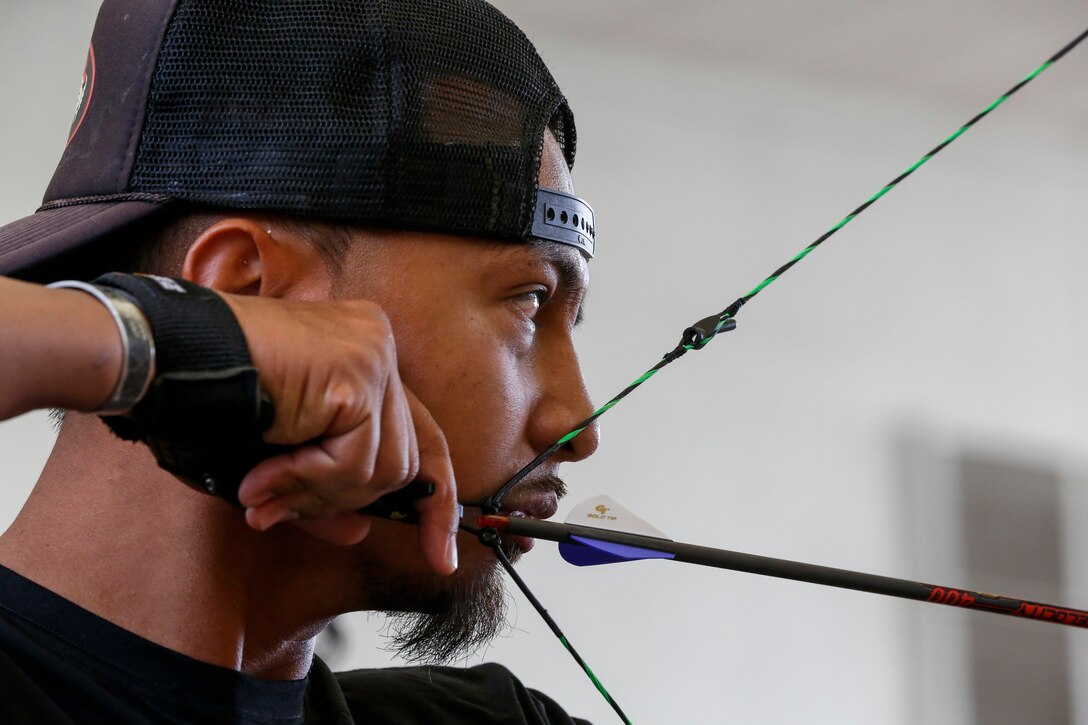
108,530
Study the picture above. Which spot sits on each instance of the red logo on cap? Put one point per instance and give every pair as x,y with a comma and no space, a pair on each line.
86,90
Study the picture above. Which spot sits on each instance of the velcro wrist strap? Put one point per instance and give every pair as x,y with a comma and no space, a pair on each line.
204,413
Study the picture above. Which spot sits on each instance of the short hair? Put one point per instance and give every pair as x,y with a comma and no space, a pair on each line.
161,249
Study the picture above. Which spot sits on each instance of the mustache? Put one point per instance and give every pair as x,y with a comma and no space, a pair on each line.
544,483
547,483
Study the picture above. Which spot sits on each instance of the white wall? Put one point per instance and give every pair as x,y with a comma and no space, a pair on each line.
952,305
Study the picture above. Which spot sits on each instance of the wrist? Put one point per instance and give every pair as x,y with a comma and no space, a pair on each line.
204,413
137,358
61,349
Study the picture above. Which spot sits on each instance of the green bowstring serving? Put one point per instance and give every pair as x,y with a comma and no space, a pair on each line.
697,336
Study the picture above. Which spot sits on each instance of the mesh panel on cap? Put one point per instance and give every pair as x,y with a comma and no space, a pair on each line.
425,114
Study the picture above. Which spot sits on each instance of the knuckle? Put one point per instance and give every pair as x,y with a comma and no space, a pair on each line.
391,479
321,503
435,442
369,310
291,483
364,472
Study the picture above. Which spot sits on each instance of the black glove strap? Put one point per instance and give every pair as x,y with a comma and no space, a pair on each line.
204,413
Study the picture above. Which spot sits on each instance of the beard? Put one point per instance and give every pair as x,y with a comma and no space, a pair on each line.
434,619
458,616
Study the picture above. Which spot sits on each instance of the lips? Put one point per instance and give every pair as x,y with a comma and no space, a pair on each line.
533,505
535,499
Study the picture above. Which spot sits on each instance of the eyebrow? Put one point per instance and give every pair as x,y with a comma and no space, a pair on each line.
564,259
569,271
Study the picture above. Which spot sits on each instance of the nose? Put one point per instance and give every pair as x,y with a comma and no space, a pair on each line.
563,407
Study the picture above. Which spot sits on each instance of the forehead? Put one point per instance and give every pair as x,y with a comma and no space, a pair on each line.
569,263
554,173
381,262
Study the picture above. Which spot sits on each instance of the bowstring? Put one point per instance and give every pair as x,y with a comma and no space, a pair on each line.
695,338
701,333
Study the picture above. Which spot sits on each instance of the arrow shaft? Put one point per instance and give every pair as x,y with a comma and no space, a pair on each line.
798,571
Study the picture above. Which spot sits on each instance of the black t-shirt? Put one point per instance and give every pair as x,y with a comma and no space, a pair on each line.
60,663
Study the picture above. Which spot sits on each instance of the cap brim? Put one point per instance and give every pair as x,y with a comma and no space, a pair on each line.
34,241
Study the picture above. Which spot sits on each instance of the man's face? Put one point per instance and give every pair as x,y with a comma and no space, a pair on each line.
484,340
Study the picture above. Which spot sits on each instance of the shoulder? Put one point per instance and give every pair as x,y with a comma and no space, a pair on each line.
487,693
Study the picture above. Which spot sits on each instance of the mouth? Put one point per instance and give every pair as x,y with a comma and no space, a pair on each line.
534,499
534,506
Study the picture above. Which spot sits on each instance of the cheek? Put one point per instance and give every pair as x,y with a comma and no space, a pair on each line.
471,389
476,386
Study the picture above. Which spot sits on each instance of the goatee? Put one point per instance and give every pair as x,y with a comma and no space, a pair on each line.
464,614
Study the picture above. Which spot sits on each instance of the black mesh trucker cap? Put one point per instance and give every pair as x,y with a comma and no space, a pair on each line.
410,114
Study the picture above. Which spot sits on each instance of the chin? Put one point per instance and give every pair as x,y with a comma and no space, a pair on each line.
436,619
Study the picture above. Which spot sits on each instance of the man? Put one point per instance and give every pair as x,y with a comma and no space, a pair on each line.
410,159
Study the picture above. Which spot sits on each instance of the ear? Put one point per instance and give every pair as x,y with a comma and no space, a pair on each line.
242,255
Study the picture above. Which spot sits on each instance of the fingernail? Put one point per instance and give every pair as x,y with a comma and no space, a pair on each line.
451,551
254,501
286,515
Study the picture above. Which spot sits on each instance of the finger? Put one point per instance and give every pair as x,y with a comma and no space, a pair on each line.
396,462
347,471
269,479
346,529
438,513
289,507
268,515
329,477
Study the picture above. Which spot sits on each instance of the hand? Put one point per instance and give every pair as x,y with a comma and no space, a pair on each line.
331,370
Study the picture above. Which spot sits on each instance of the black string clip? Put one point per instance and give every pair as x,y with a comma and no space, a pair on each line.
698,335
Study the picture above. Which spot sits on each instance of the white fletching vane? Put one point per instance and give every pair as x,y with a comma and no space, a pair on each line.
601,512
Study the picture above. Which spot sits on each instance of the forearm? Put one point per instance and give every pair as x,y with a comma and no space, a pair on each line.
60,348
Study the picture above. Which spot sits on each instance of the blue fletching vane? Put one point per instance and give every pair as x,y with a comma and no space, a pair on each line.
591,552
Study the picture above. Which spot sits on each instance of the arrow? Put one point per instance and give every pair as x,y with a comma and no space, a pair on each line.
591,545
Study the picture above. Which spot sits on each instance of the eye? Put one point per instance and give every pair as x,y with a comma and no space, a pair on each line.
530,302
